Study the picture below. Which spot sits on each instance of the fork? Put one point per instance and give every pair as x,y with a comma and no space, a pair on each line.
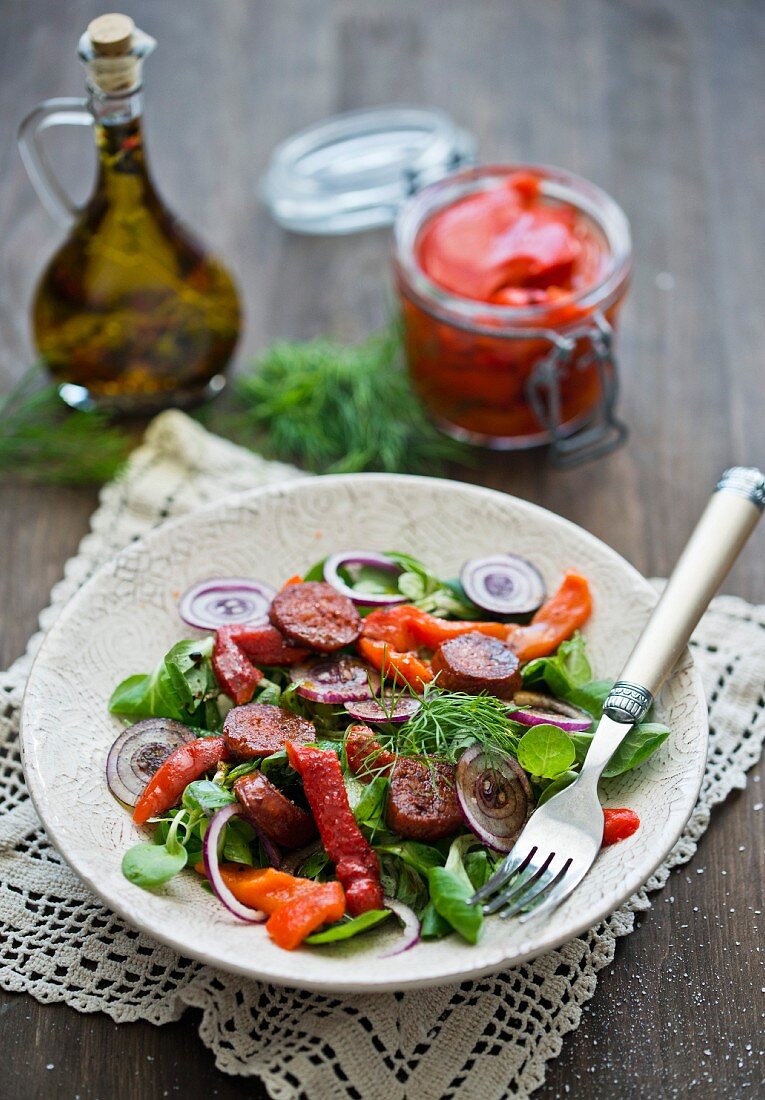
561,840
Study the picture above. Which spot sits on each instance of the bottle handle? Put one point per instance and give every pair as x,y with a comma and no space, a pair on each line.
62,111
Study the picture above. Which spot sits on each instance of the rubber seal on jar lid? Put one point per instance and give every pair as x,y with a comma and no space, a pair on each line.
353,171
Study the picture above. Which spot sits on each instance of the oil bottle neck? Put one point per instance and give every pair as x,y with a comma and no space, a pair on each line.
122,164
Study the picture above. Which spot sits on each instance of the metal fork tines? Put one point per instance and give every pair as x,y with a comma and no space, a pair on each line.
520,884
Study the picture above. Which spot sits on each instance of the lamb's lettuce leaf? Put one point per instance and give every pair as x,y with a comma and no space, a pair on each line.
345,929
451,890
182,687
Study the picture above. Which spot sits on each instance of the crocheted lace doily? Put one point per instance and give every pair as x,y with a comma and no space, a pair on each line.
489,1038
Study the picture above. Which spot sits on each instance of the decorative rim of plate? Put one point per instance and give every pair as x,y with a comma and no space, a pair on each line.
490,963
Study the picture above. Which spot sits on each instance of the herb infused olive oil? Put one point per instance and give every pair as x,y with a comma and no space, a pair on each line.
132,313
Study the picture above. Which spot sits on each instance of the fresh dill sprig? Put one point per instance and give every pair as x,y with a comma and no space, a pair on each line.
448,722
41,440
334,408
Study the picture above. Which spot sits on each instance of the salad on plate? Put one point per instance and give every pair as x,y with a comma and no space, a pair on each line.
363,746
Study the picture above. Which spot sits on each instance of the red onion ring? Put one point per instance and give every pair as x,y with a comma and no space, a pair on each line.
371,710
362,557
547,715
335,679
410,931
503,584
137,754
224,601
215,829
494,795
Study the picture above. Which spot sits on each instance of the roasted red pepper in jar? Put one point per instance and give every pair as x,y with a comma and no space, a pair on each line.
511,247
545,253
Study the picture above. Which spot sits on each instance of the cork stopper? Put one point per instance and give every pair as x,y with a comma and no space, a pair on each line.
111,35
112,49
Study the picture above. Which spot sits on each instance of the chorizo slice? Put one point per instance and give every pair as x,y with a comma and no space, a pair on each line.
366,757
272,813
260,729
474,663
422,804
316,615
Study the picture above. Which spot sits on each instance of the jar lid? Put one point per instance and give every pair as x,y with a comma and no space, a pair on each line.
353,171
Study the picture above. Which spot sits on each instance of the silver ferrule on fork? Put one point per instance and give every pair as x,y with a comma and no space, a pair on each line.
628,702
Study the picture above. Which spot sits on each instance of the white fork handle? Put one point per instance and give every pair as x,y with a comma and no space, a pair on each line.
726,524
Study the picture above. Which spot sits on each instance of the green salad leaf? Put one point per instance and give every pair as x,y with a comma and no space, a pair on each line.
422,588
268,692
637,746
451,889
150,864
555,786
314,865
207,796
418,855
345,929
237,838
400,880
429,592
247,767
432,925
567,675
367,802
479,867
546,751
180,687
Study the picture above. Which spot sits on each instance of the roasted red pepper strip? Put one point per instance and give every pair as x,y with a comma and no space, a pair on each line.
356,864
405,628
182,766
263,888
264,645
306,912
556,620
394,665
392,636
296,579
366,757
235,672
618,824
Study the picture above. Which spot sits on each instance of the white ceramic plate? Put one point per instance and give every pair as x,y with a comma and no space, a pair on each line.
124,619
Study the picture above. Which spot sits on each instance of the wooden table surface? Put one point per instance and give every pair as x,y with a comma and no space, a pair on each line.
660,102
